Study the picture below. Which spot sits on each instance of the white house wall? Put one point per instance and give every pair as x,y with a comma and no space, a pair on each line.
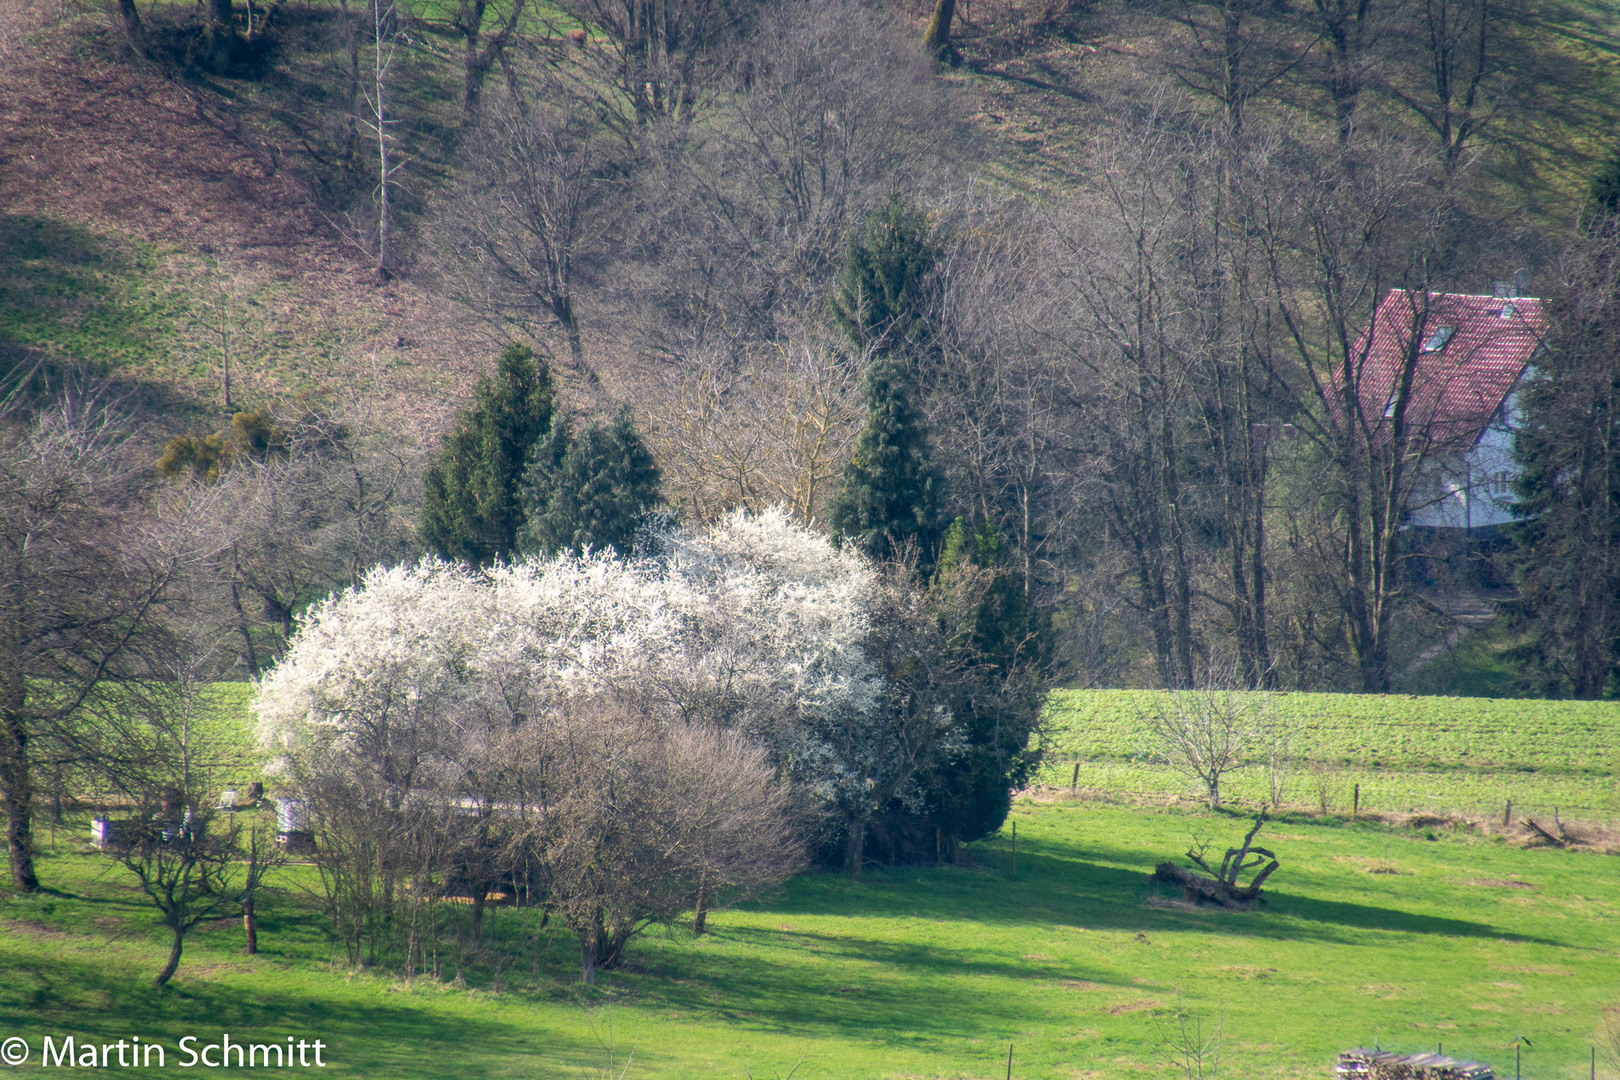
1472,490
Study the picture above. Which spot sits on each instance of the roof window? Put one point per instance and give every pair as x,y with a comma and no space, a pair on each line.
1437,338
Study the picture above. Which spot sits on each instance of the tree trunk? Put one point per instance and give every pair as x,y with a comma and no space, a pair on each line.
937,37
18,792
587,960
700,915
250,926
855,847
132,25
174,961
220,34
478,900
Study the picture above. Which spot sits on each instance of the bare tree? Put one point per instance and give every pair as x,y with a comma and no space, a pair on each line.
165,751
527,225
1237,53
775,429
1138,347
827,113
1195,1053
1461,62
634,824
480,50
1205,734
1351,222
297,504
654,59
84,569
1351,31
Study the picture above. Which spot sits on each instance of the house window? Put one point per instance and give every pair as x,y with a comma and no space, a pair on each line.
1389,406
1437,338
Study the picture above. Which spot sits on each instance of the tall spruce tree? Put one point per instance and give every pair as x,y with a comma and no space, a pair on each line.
1568,542
472,507
592,491
882,298
890,498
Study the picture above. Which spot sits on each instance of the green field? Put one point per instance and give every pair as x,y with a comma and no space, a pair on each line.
1407,753
1370,933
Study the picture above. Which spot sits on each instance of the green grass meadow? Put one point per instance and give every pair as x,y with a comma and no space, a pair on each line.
1370,933
1439,934
1434,754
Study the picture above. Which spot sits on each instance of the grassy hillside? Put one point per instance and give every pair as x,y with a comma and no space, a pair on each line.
1370,934
1407,753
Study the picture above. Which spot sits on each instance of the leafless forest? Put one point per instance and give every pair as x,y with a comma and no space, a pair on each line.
1156,235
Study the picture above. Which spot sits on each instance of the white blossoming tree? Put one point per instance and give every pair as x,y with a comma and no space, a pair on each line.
421,690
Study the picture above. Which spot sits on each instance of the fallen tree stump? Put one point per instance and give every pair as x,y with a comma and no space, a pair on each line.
1220,886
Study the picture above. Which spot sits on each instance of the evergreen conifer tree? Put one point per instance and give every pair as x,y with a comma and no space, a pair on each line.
881,300
471,507
1008,649
594,491
891,494
1567,544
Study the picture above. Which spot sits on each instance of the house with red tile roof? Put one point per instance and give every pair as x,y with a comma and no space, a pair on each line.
1472,356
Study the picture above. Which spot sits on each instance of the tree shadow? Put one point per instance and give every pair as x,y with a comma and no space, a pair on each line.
65,312
1064,885
871,984
64,996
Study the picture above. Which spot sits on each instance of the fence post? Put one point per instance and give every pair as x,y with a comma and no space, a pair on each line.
1014,874
1009,1061
1074,781
1355,805
1507,813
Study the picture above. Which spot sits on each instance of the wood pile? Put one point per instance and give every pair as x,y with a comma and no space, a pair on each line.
1385,1065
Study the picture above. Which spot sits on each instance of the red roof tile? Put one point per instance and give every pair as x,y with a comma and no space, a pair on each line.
1457,387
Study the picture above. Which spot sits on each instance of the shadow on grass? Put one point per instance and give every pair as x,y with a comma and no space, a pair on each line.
62,996
72,300
910,992
1058,884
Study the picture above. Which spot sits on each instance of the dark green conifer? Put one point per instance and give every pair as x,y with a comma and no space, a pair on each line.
594,491
1007,652
890,496
471,507
882,300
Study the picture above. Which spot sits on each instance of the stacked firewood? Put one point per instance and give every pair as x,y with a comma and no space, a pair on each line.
1384,1065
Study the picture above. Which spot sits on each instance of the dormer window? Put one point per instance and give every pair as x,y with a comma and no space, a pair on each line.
1437,338
1507,312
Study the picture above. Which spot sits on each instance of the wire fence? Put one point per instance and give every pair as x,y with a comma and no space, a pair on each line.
1335,789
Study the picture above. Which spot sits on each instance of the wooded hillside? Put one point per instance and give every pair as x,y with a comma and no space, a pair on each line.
1088,276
